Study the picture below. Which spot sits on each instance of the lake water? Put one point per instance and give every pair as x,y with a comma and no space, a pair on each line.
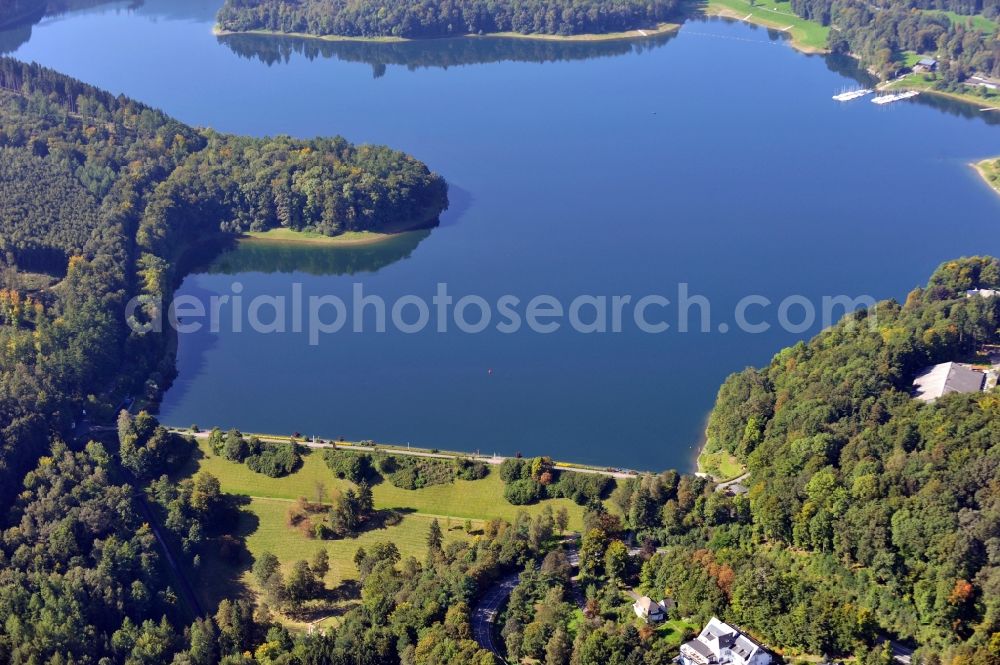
714,158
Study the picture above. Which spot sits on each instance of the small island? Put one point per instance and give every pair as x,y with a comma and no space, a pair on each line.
406,19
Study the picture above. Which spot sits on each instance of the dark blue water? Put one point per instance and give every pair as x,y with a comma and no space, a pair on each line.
715,158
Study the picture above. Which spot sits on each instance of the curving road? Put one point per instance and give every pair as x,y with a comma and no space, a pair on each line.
484,615
722,487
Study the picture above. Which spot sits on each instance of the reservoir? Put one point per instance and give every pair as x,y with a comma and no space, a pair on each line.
711,163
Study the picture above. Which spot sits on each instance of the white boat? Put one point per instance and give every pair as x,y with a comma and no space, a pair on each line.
851,95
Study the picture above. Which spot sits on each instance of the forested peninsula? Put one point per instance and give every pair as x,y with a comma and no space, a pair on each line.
106,196
410,19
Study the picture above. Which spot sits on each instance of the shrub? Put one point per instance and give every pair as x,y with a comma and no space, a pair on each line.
512,469
355,467
273,459
235,448
523,492
582,488
470,470
416,472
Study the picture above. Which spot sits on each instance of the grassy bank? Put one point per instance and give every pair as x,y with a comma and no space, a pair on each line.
659,29
925,83
806,36
989,169
289,236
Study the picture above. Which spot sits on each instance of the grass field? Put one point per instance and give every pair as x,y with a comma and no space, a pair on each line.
462,499
989,169
271,534
263,528
313,238
720,465
674,630
262,524
910,58
806,35
974,21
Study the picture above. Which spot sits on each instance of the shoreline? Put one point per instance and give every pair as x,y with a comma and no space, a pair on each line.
924,86
983,168
638,33
790,25
317,443
281,235
710,9
347,239
718,8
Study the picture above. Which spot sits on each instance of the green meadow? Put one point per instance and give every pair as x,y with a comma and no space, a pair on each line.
462,499
806,35
264,504
975,21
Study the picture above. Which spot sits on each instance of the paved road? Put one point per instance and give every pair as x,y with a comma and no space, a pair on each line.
721,487
636,551
573,558
184,587
484,615
901,653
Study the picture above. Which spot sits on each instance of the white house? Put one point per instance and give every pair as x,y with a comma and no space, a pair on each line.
721,644
982,293
650,611
945,379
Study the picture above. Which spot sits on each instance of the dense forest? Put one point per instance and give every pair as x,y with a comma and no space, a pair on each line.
896,502
413,19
